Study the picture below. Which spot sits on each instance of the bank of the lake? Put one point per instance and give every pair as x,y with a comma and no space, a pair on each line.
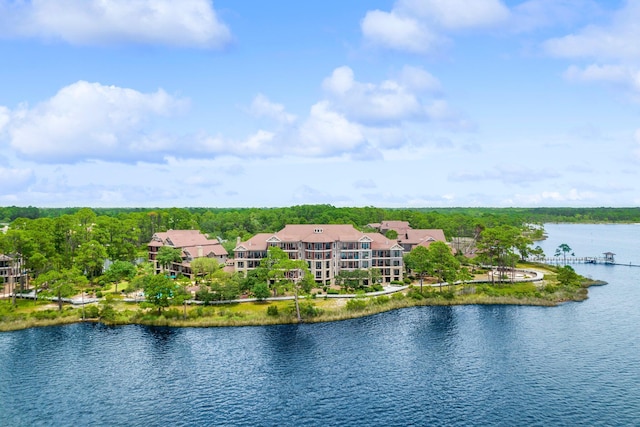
115,311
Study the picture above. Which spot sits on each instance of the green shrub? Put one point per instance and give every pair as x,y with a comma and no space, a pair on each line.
45,314
272,310
91,312
356,304
415,294
448,295
99,294
333,291
397,296
381,300
107,313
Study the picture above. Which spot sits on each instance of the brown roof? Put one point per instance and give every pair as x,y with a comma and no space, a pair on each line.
316,233
184,238
319,233
416,237
395,225
217,250
256,243
380,242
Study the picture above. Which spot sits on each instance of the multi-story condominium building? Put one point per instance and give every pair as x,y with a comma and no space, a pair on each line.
192,243
11,270
408,237
327,249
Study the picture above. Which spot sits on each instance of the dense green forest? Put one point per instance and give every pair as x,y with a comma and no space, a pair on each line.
228,223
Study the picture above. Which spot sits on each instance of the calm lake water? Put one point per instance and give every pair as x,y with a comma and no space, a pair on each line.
578,364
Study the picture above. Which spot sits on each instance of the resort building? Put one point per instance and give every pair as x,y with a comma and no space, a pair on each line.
328,249
192,243
409,238
11,269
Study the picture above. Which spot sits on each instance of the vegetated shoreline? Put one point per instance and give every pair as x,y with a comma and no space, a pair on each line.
370,306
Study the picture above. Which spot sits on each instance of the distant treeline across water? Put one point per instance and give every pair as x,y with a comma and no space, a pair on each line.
232,222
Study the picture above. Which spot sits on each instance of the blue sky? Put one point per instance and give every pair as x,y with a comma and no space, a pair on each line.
406,103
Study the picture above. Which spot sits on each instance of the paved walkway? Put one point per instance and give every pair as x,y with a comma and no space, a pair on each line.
522,275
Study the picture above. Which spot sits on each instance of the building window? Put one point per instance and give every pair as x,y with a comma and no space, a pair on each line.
318,265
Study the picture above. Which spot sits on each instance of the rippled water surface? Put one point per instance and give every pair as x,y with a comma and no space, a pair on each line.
577,364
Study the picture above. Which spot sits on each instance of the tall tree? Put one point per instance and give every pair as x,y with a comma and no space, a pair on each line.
119,271
90,258
442,263
205,267
418,262
159,290
496,245
563,250
167,256
289,271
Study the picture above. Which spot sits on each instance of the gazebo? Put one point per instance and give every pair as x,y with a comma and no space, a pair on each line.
608,258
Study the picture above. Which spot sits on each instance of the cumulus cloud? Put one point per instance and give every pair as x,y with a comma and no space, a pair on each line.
418,26
259,144
612,45
395,31
91,121
399,99
617,40
263,107
327,133
187,23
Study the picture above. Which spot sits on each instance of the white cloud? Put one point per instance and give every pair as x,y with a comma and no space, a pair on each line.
4,117
628,76
394,31
416,78
533,14
259,144
618,40
456,14
14,179
390,100
91,121
418,26
327,133
262,107
184,23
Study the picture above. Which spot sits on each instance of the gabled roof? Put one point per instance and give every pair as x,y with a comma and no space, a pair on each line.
183,238
416,237
380,242
256,243
190,241
312,233
398,226
207,250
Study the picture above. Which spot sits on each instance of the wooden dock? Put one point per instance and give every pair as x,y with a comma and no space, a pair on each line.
607,259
